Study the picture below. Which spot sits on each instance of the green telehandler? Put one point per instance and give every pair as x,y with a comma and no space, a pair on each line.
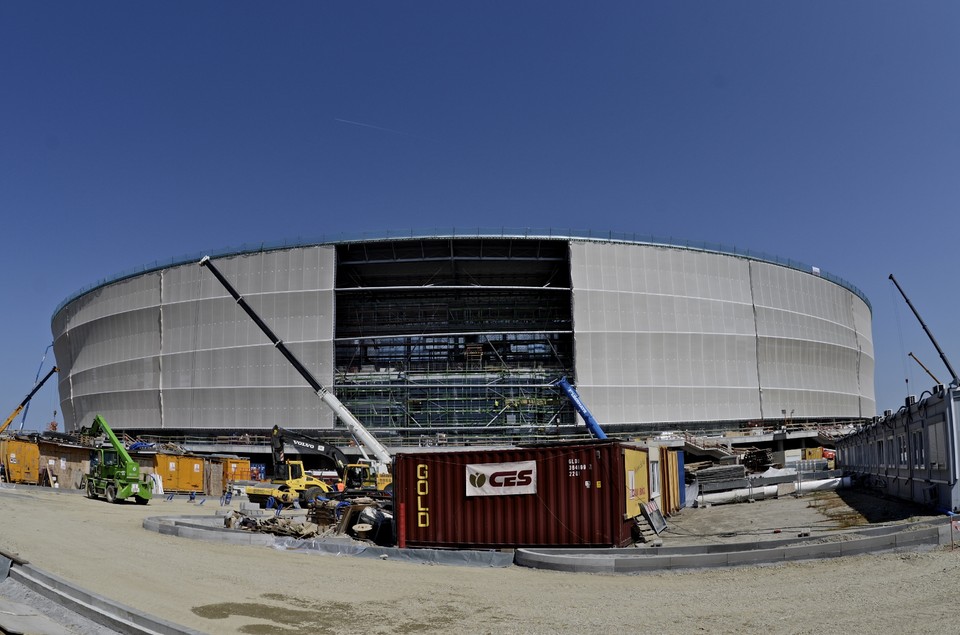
113,474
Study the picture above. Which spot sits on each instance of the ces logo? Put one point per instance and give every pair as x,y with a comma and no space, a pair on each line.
501,479
508,478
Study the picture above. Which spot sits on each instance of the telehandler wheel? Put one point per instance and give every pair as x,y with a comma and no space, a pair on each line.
91,492
111,494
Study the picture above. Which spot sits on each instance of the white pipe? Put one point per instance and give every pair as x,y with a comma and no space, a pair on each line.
769,491
824,485
737,495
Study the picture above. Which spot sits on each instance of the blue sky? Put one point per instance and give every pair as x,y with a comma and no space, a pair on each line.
826,132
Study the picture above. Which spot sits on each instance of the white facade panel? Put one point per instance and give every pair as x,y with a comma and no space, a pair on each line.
714,337
661,335
171,350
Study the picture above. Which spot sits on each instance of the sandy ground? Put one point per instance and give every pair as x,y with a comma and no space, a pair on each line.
218,588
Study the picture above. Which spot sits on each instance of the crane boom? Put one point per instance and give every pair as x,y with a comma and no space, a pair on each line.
932,376
356,429
99,428
27,399
592,424
956,380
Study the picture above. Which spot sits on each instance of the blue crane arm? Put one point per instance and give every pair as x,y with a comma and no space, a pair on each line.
581,407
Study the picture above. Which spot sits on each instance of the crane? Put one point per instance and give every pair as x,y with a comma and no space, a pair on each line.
27,399
357,430
943,357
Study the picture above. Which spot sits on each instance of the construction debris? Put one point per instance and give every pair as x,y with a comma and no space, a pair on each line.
361,518
276,525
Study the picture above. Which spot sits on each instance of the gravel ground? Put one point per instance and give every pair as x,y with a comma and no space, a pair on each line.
219,588
74,623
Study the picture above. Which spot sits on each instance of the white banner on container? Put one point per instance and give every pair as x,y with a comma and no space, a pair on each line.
502,479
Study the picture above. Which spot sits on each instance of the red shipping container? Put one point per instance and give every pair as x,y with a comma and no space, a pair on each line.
577,494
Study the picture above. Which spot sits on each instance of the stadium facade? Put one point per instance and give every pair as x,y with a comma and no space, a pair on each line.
464,334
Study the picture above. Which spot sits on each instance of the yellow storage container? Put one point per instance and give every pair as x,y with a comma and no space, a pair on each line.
190,473
21,461
236,469
180,473
812,454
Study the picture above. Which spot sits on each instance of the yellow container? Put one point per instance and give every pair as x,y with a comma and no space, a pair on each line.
21,462
190,471
812,454
180,473
236,469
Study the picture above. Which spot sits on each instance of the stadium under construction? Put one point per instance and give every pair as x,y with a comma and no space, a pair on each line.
463,335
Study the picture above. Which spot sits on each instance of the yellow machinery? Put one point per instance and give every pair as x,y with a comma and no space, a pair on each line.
26,400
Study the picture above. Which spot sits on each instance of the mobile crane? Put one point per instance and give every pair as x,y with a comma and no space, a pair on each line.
27,399
378,474
113,473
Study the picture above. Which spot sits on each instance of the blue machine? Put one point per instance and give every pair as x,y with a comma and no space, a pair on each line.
588,418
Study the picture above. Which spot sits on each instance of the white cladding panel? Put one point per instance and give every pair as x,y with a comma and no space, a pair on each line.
665,335
171,349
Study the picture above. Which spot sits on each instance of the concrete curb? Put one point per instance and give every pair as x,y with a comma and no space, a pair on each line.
211,528
632,560
114,615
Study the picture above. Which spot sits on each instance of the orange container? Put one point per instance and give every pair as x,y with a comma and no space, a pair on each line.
21,461
235,469
180,473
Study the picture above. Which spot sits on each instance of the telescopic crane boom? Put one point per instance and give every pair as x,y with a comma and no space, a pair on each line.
360,433
27,399
592,424
953,374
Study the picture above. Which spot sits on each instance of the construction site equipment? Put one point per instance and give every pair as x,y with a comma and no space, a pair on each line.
351,476
290,484
365,440
305,444
289,480
27,399
581,407
113,473
946,362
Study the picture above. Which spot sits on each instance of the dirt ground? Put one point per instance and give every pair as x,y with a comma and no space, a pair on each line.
219,588
821,514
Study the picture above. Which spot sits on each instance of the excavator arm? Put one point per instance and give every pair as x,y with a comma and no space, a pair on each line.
305,445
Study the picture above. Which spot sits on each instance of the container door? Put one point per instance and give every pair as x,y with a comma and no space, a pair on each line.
190,476
635,474
22,462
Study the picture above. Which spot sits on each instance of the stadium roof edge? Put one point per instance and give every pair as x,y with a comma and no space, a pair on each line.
504,233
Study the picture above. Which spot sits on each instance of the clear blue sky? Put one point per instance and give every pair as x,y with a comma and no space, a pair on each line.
823,131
